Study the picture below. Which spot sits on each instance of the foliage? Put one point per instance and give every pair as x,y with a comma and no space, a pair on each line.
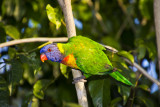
54,15
126,55
101,96
126,25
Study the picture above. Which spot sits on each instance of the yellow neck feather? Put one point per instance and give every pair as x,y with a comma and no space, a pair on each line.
60,47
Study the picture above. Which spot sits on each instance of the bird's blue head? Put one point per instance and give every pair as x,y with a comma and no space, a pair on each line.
51,52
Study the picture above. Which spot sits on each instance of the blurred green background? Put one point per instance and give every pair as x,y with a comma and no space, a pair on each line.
123,24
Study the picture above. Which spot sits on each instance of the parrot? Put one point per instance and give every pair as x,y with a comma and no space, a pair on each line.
83,54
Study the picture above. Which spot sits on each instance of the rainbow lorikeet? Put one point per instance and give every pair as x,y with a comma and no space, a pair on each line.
84,54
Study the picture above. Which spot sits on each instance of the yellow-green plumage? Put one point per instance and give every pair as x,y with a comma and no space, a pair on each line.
90,58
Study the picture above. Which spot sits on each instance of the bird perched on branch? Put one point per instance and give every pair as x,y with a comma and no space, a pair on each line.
84,54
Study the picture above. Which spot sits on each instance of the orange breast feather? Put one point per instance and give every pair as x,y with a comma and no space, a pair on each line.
70,61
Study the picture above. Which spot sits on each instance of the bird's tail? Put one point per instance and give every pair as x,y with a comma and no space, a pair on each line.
116,75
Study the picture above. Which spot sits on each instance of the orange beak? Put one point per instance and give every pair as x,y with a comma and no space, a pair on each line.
43,57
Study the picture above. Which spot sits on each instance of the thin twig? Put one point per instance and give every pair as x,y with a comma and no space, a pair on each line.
29,40
144,72
110,48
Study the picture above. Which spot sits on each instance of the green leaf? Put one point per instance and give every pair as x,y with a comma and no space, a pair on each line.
144,87
15,74
8,7
125,92
71,105
19,10
28,73
14,8
152,50
64,70
28,68
27,98
115,101
100,92
16,71
54,15
146,101
31,65
126,55
82,11
35,102
3,34
11,52
40,86
12,31
142,52
146,8
4,93
35,62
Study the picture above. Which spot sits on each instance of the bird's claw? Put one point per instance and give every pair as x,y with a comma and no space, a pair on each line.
79,79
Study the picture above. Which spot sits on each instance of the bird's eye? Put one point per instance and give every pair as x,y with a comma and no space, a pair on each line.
49,50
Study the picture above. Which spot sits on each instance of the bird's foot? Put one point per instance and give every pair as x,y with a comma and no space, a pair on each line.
79,79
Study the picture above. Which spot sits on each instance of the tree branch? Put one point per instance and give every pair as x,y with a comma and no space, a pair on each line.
144,72
28,40
67,11
157,27
71,31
